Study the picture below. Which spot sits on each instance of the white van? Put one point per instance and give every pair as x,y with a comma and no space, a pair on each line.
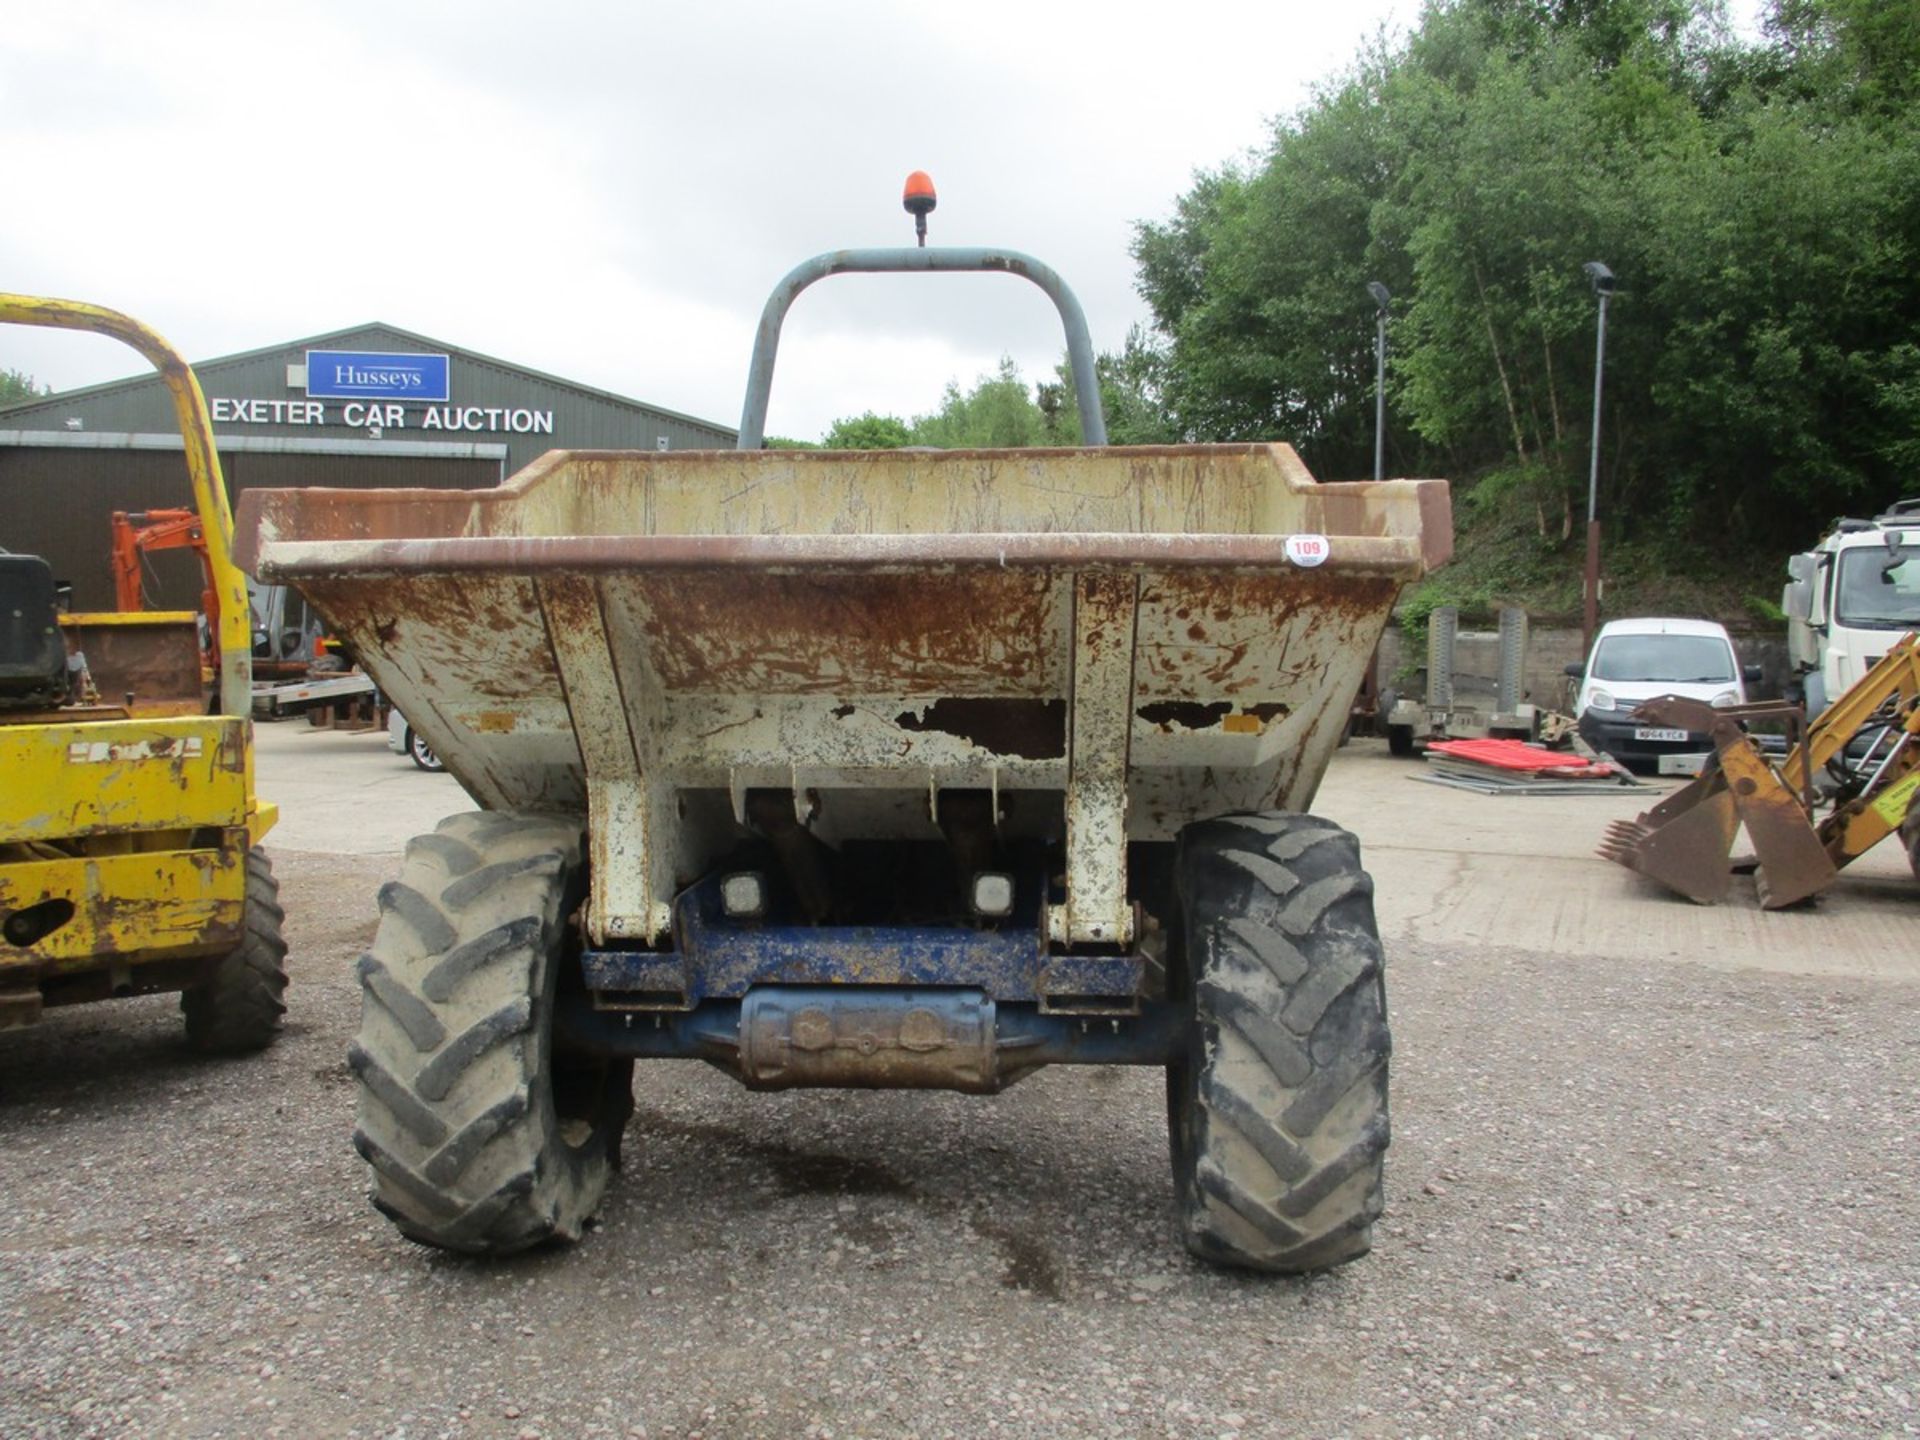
1636,660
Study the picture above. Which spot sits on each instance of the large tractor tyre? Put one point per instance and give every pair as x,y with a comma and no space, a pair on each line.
483,1135
238,1007
1278,1111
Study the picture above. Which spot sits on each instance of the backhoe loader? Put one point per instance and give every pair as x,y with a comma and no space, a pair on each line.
1843,789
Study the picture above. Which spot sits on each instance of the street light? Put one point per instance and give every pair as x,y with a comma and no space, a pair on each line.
1602,281
1381,297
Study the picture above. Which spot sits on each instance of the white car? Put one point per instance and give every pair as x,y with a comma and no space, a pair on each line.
1636,660
402,740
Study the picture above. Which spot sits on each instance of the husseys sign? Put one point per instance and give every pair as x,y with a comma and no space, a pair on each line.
375,375
364,389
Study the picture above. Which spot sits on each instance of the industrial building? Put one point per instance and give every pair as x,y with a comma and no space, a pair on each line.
372,406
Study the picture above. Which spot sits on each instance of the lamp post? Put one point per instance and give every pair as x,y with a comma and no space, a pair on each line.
1381,296
1602,280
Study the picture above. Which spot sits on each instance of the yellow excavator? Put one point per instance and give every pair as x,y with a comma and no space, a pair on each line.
129,826
1848,784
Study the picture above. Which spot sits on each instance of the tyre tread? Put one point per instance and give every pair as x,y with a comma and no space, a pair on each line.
455,1116
1280,1113
240,1005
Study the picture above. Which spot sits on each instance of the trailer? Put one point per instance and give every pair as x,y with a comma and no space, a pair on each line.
275,698
1453,710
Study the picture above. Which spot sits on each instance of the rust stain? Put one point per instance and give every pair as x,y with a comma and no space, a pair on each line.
158,662
481,633
978,632
1225,665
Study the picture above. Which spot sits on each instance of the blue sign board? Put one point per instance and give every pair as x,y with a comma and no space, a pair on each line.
375,375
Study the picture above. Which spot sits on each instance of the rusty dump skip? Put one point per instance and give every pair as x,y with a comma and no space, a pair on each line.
1116,641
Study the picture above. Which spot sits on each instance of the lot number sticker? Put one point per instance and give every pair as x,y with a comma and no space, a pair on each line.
1307,550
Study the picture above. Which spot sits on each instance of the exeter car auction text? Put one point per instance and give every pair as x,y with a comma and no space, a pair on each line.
390,416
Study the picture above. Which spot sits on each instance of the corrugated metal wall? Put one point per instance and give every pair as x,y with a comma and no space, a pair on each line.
58,503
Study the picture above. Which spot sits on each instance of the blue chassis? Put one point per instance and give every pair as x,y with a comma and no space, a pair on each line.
1046,1008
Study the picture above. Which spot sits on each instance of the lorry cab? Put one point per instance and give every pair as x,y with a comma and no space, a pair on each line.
1850,598
1639,660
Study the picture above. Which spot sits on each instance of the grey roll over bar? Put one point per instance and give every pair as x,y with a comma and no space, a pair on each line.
1086,385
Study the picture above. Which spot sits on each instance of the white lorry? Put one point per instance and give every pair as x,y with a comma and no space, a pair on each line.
1850,598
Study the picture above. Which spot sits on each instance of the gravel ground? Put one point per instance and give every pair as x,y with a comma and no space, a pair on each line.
1625,1198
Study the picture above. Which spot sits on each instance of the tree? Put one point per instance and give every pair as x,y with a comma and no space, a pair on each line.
998,413
17,386
867,431
1258,285
1130,397
1760,205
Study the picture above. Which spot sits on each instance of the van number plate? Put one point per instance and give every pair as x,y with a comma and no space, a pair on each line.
1648,734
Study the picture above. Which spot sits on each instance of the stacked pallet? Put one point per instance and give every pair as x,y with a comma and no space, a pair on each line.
1513,767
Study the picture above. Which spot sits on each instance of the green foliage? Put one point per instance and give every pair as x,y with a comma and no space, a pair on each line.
1130,398
1262,339
786,442
1500,559
867,431
17,386
1759,204
1897,401
998,413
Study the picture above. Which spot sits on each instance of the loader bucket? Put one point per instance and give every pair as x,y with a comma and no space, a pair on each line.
1685,842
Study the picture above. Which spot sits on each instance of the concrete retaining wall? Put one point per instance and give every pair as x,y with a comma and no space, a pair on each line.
1549,650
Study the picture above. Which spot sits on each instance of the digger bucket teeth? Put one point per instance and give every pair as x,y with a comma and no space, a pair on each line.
1686,841
1686,848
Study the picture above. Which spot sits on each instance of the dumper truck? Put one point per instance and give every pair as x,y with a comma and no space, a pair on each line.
130,828
873,769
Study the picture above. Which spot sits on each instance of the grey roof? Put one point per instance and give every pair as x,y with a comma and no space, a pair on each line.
376,332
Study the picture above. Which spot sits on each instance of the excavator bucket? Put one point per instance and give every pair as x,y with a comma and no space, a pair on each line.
1790,864
1868,740
1686,841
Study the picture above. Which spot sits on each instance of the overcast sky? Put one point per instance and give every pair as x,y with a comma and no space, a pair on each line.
608,192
